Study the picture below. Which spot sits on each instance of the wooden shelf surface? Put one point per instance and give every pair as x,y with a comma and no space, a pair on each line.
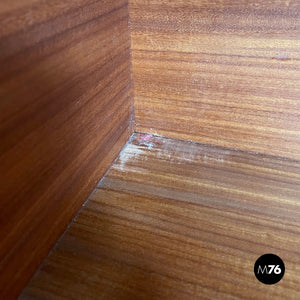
174,219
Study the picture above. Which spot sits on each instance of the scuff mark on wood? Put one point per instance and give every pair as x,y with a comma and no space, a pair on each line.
282,56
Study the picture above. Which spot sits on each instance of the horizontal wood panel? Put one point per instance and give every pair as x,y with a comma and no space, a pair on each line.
223,73
66,112
179,220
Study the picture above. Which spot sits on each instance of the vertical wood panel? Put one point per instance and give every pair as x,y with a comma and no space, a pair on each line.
66,111
220,72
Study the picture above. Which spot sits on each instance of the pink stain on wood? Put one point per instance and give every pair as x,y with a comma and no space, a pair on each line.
145,137
148,139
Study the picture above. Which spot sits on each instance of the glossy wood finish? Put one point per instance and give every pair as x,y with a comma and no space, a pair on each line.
219,72
179,220
65,113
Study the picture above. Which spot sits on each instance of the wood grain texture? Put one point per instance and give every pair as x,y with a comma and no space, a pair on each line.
66,111
179,220
219,72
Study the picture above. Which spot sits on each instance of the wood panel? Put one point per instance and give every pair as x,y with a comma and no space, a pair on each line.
66,111
219,72
179,220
